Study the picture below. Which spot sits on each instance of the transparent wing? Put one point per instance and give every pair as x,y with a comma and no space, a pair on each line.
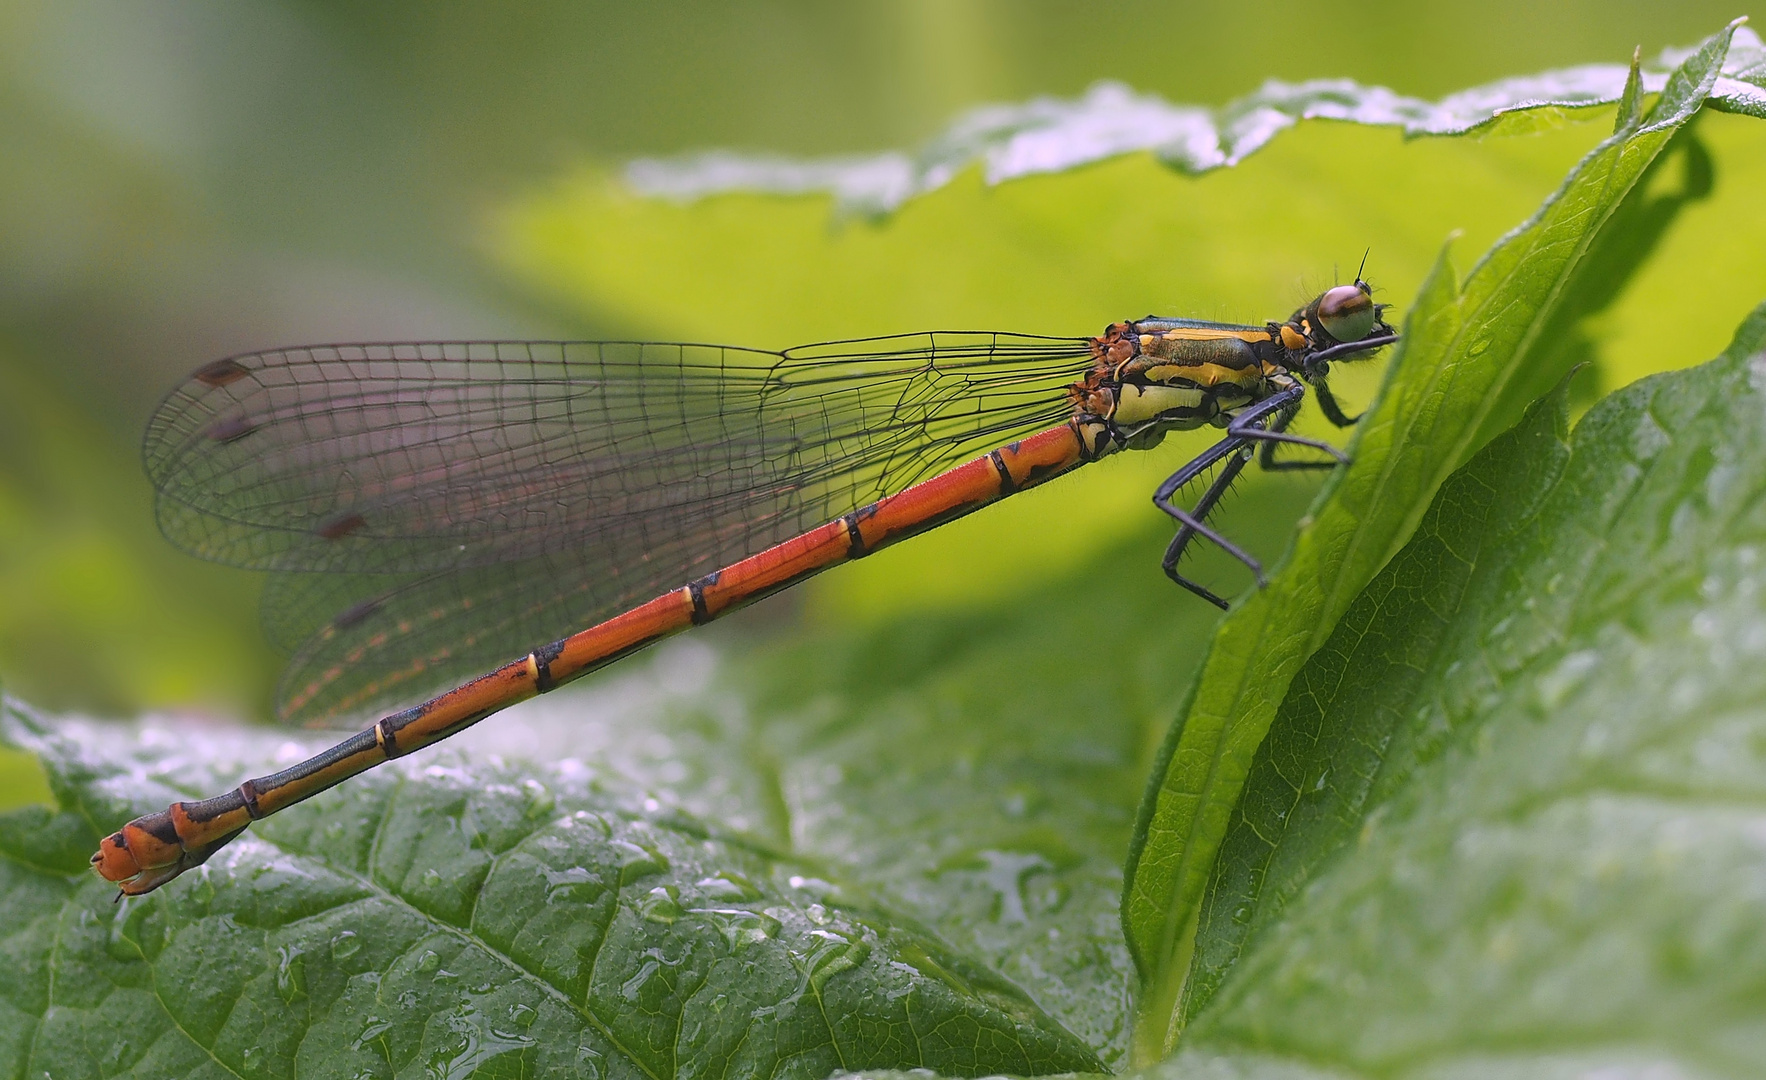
513,493
398,639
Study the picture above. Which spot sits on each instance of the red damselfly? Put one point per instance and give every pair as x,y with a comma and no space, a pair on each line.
428,510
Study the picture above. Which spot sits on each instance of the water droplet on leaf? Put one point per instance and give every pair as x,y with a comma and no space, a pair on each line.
291,973
345,945
662,905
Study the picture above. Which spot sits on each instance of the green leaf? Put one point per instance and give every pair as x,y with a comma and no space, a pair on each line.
1682,175
1507,821
1052,135
437,919
1463,344
1334,750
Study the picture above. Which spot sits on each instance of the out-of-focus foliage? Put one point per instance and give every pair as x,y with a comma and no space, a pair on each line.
1048,135
189,180
86,577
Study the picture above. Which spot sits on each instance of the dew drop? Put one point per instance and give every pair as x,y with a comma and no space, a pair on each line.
654,961
540,801
345,945
828,954
372,1029
291,973
728,887
739,926
473,1043
661,905
1005,874
636,861
572,885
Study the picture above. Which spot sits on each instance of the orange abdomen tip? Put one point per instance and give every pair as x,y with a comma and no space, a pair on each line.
144,854
113,860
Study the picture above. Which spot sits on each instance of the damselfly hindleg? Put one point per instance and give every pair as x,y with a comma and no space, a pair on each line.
1190,522
1263,423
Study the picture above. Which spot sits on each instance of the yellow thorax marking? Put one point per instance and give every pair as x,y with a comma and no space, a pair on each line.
1209,375
1206,333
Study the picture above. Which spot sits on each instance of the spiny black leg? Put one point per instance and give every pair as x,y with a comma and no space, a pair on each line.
1266,457
1189,530
1173,483
1205,505
1327,404
1249,424
1245,429
1260,435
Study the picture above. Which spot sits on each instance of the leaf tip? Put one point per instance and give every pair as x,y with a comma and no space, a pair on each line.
1558,401
1631,98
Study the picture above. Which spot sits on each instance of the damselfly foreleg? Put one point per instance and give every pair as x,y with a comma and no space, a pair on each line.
1264,423
1266,457
1327,404
1177,481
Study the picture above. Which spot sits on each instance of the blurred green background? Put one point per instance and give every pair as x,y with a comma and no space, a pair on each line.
184,180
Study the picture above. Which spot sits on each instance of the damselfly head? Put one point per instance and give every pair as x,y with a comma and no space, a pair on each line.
1348,312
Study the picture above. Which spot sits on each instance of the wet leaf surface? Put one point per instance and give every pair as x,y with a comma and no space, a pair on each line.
464,919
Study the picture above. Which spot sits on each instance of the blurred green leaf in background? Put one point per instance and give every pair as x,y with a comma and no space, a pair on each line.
193,180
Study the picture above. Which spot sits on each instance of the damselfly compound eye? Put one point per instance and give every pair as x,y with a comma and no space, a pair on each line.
1346,313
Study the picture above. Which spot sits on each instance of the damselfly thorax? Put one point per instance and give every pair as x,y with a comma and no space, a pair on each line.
427,511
